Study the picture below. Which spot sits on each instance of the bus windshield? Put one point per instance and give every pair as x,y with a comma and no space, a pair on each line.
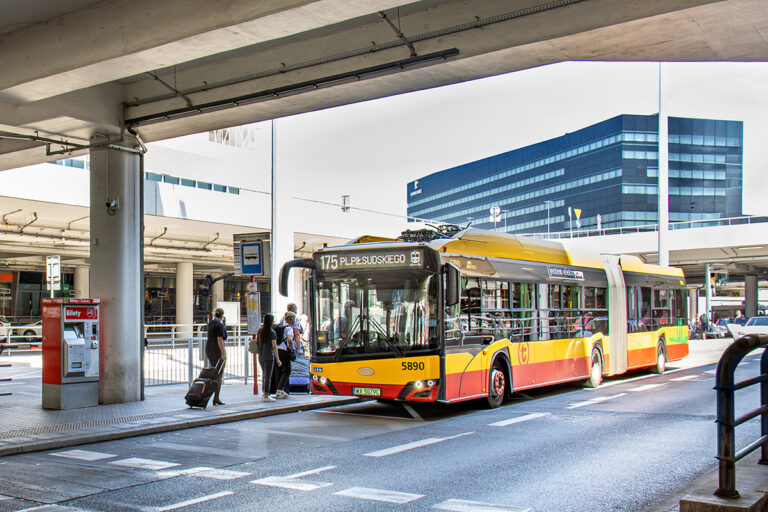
370,314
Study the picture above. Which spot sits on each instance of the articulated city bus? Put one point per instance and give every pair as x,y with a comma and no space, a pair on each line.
457,314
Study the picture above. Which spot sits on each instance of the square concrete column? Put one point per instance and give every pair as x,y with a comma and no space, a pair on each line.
217,294
116,270
750,296
82,282
184,307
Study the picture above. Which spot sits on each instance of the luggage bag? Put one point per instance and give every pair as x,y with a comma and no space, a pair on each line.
203,387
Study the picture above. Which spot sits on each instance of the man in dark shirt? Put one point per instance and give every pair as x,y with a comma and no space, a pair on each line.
214,349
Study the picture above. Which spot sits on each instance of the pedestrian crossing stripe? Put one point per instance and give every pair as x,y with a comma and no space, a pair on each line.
379,495
139,463
83,455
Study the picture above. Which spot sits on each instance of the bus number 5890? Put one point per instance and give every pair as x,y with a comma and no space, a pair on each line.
412,366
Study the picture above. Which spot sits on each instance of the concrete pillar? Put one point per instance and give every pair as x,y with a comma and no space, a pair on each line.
217,294
282,234
116,270
82,281
750,296
693,305
184,299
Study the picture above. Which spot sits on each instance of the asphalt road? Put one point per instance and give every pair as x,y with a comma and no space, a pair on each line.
625,446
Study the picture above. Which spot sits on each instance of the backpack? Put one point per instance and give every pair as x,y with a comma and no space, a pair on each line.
280,331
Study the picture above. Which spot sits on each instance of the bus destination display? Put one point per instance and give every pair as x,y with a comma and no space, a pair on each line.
358,260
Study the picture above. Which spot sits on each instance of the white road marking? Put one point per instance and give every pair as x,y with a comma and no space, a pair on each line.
519,419
187,503
477,506
293,482
379,495
684,377
3,497
711,372
377,416
412,445
53,508
138,463
83,455
206,472
594,401
311,472
646,387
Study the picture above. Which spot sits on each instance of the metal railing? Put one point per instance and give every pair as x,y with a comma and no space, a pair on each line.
644,228
179,360
727,421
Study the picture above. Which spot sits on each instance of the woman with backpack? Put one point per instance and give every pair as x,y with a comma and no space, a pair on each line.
267,350
284,346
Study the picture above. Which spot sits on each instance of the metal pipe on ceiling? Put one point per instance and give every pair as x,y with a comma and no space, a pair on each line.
375,47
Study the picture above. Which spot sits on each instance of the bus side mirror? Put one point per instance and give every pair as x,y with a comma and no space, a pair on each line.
286,268
452,286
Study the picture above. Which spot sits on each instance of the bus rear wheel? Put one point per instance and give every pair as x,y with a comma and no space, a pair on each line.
497,387
661,359
595,370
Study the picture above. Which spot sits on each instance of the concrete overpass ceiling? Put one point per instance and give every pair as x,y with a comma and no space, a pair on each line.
168,70
19,15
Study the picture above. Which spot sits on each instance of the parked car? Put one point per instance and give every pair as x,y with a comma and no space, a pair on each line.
31,332
755,325
718,329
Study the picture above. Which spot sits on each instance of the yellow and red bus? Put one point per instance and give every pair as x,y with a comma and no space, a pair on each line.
460,314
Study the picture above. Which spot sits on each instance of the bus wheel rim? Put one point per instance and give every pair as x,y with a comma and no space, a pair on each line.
498,382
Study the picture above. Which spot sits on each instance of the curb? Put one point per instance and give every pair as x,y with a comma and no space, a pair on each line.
75,440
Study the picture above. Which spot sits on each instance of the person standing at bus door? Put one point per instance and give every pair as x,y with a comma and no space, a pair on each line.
283,357
215,350
267,350
304,319
298,329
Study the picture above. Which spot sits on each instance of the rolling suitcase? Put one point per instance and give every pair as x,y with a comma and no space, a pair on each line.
203,387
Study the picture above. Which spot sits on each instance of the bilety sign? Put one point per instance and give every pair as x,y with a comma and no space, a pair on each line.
81,313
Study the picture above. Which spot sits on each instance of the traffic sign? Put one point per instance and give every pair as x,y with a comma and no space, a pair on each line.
251,259
53,272
252,254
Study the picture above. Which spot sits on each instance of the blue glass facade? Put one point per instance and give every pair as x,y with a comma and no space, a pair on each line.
608,169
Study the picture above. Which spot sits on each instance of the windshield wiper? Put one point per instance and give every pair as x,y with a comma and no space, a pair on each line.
389,341
356,323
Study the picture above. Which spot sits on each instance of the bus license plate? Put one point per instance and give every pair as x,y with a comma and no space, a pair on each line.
366,391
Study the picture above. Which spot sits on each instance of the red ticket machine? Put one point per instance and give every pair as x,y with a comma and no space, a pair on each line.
71,329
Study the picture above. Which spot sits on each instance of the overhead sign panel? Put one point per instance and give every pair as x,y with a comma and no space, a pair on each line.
252,254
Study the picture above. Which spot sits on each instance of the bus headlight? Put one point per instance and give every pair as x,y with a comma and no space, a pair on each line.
314,378
323,380
430,383
419,384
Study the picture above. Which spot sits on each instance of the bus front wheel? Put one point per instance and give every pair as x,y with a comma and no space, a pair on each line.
595,370
498,386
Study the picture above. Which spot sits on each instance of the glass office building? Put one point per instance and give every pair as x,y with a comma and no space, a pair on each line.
607,171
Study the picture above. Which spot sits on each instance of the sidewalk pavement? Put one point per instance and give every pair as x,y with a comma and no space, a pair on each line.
699,496
26,427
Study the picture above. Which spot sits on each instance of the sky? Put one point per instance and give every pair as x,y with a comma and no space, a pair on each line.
371,150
